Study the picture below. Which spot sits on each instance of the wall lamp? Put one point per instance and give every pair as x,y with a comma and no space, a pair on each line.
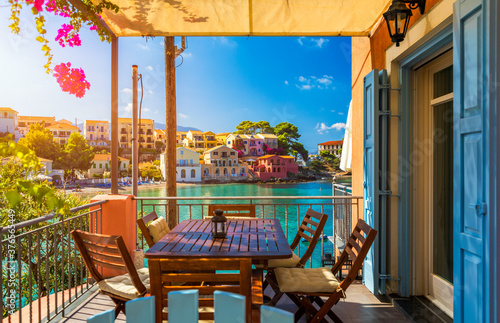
398,17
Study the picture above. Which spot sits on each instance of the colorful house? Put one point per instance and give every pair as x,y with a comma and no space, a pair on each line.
187,166
24,123
222,162
96,132
209,139
425,156
331,146
8,121
250,145
62,131
194,139
102,163
274,166
160,135
221,138
270,140
146,133
180,136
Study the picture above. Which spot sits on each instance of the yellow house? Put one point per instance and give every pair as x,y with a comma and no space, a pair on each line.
187,165
269,139
146,133
96,132
62,131
221,138
209,139
24,122
181,135
196,138
160,135
102,163
222,162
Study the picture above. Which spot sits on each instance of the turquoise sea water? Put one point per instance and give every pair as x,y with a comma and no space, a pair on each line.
289,212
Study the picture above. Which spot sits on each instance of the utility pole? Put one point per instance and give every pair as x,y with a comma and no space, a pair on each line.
171,52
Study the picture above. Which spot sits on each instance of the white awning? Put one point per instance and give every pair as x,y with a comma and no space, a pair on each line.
346,158
244,17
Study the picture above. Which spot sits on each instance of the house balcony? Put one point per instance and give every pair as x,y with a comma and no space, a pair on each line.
74,297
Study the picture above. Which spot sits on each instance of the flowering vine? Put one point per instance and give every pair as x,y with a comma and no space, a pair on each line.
71,80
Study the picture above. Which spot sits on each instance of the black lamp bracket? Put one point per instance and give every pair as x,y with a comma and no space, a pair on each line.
414,4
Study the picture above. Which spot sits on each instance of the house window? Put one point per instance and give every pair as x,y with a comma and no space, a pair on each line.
245,142
193,173
258,142
232,153
216,153
183,173
259,150
100,165
93,166
229,142
191,161
182,152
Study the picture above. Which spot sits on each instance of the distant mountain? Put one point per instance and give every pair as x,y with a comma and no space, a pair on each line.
161,126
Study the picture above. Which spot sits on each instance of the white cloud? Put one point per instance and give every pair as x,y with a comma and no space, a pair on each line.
341,113
150,92
319,41
286,82
312,42
226,41
143,47
156,111
183,116
146,110
187,55
149,68
128,108
323,128
332,110
127,90
323,82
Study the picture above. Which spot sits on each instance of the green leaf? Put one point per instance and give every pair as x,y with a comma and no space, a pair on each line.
13,197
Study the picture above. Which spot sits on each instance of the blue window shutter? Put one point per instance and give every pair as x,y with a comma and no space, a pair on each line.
375,176
473,43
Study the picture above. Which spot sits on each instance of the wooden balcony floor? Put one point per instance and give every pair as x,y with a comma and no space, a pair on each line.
359,306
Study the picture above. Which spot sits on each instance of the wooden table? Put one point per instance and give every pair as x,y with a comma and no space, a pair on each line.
258,239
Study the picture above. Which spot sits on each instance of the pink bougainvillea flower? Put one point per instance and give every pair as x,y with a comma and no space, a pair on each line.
50,6
66,37
71,80
38,4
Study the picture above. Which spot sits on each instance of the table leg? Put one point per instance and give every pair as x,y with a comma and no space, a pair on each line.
155,285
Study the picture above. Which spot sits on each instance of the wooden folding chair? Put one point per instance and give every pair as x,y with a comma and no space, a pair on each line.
198,271
233,210
306,286
142,223
310,229
111,252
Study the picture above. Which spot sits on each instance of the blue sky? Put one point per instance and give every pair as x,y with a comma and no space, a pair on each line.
221,81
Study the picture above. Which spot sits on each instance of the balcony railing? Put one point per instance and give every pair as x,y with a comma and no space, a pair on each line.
290,210
343,217
42,271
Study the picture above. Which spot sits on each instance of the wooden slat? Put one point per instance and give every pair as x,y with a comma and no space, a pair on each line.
314,214
109,265
98,238
271,242
351,253
359,236
311,222
105,257
305,236
257,294
306,228
355,245
199,277
363,226
201,264
101,248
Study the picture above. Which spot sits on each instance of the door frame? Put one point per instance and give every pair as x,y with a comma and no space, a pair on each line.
437,43
422,132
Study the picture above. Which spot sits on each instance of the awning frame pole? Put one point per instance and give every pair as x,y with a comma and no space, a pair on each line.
114,115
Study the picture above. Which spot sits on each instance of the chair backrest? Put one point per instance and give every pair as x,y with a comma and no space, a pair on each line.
201,274
269,314
106,251
233,210
357,247
104,317
310,229
141,310
142,224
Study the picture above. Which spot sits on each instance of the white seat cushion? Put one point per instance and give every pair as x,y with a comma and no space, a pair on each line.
287,262
308,280
122,285
158,229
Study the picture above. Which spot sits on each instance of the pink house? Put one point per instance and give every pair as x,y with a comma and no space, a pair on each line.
274,166
251,145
